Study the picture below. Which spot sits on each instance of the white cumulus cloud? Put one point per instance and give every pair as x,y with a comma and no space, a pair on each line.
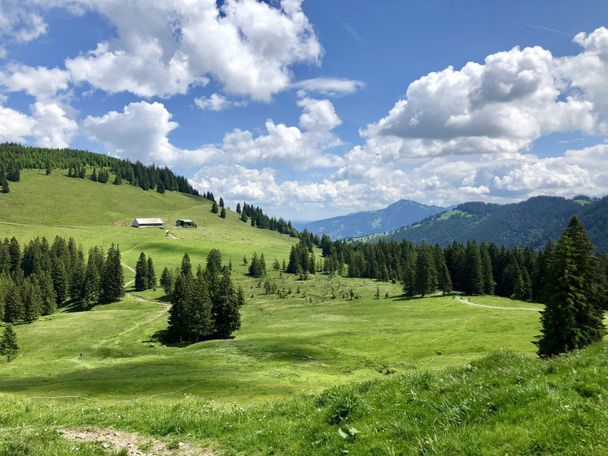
163,48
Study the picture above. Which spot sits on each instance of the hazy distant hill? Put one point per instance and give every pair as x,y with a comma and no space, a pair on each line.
528,223
396,215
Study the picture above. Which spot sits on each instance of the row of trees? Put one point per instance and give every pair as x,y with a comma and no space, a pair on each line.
33,281
205,305
257,267
14,157
471,268
301,259
215,209
256,217
566,276
8,172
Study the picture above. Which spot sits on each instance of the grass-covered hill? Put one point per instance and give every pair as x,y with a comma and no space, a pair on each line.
101,214
529,223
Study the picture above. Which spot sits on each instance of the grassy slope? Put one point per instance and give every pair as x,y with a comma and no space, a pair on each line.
96,214
302,344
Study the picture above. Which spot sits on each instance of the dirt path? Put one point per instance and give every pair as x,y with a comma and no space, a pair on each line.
469,303
134,444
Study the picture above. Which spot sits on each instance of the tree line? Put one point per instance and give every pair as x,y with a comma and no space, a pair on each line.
565,276
205,303
471,268
37,278
14,157
256,217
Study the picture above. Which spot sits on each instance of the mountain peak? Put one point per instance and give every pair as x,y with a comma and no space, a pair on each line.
400,213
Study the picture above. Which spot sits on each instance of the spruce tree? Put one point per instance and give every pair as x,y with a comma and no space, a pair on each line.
90,292
573,317
13,303
409,274
444,281
167,281
186,268
8,343
426,273
4,184
47,290
589,317
112,277
226,308
486,269
32,301
214,208
60,280
200,324
214,263
559,331
473,283
141,273
14,251
78,270
223,213
179,313
151,274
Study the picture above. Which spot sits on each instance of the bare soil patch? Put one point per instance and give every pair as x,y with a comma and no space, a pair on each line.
134,444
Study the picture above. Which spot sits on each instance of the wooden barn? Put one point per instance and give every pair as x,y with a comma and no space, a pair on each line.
185,223
147,223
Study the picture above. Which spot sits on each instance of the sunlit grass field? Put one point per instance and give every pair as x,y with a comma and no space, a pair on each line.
404,372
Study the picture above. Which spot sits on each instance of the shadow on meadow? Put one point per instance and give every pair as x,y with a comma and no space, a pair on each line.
142,379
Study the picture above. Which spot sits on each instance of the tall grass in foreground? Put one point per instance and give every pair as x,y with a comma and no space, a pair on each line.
502,404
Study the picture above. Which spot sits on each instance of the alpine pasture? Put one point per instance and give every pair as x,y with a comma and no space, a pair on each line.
252,394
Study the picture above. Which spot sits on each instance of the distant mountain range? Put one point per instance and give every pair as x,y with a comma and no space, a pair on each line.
528,223
396,215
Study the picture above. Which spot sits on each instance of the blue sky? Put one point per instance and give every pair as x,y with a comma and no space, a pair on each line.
313,109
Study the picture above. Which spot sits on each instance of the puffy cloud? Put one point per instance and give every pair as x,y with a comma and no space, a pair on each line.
586,73
142,71
53,127
318,115
328,86
140,132
163,48
14,125
302,148
19,24
238,183
48,126
500,106
40,82
216,102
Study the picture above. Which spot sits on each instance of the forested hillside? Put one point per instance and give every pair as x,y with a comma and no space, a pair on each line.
398,214
530,223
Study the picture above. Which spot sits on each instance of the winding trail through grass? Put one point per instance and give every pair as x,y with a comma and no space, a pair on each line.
469,303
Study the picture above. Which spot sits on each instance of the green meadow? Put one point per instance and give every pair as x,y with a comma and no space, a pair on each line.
313,372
